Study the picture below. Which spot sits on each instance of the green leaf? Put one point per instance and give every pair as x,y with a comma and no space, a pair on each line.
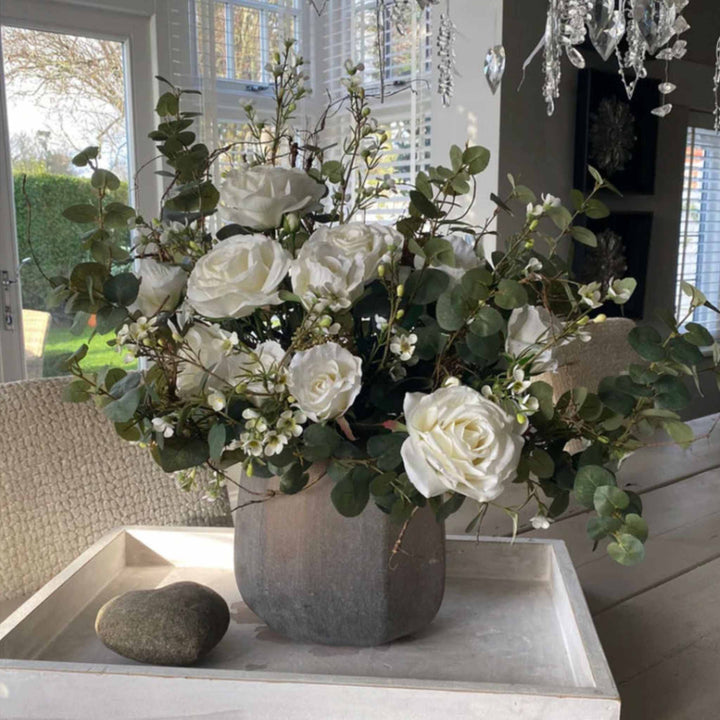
333,171
76,392
541,463
424,206
110,318
609,499
121,289
104,180
647,342
84,156
439,250
476,284
679,431
698,335
596,209
117,215
588,479
600,527
180,453
627,550
217,438
321,441
456,157
614,398
583,236
544,394
510,295
560,216
386,448
351,495
637,526
672,393
425,286
684,352
294,479
488,321
81,214
641,374
476,158
450,311
382,484
168,104
450,506
123,409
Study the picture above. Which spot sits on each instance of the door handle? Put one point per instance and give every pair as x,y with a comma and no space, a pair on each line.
8,316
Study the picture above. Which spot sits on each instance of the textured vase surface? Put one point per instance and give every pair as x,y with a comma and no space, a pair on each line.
316,576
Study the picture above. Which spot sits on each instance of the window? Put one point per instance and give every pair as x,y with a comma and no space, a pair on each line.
222,46
245,32
699,256
353,30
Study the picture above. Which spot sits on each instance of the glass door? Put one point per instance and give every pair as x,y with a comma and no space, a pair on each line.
62,91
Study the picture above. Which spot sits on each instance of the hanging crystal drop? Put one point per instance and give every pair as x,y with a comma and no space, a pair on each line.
667,87
663,110
679,49
599,17
655,20
446,69
716,87
680,25
607,40
494,67
575,57
680,5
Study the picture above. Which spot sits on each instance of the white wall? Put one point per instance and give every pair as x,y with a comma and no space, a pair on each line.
475,112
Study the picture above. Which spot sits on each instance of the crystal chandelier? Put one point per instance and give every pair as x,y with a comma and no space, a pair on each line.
651,29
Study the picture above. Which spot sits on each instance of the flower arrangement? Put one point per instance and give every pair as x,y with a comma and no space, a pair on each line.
278,329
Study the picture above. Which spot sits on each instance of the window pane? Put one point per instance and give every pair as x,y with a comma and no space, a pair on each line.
247,44
221,50
64,92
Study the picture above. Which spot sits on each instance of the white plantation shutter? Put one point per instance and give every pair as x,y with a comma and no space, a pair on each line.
350,32
221,47
699,254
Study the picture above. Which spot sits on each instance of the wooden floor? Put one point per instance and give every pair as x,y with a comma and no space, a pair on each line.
659,622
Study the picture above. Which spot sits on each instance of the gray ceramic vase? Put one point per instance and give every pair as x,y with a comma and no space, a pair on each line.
316,576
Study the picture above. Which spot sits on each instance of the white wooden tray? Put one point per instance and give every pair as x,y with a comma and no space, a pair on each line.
513,639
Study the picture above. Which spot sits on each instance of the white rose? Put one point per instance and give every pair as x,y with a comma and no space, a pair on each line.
259,370
207,364
460,442
324,272
258,197
237,276
325,380
529,329
161,286
370,241
465,258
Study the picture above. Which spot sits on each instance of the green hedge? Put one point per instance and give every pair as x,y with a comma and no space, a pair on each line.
55,239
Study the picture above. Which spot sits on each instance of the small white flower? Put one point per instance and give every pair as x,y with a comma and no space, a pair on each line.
142,328
534,266
253,447
549,201
275,443
620,291
527,404
403,346
288,423
540,522
518,384
591,294
164,425
216,400
534,211
229,341
451,381
381,323
486,392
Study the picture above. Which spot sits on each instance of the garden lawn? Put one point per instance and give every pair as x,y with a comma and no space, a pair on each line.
61,341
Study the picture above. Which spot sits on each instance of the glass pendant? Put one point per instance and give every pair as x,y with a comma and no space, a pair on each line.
494,67
655,19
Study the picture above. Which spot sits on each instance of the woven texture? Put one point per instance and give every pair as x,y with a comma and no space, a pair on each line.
66,479
586,364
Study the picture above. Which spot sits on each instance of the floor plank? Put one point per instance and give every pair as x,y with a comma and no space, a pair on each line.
663,647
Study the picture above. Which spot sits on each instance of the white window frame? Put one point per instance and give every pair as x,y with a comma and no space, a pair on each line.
704,122
136,32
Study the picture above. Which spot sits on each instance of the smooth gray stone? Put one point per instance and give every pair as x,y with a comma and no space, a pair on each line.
174,625
316,576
